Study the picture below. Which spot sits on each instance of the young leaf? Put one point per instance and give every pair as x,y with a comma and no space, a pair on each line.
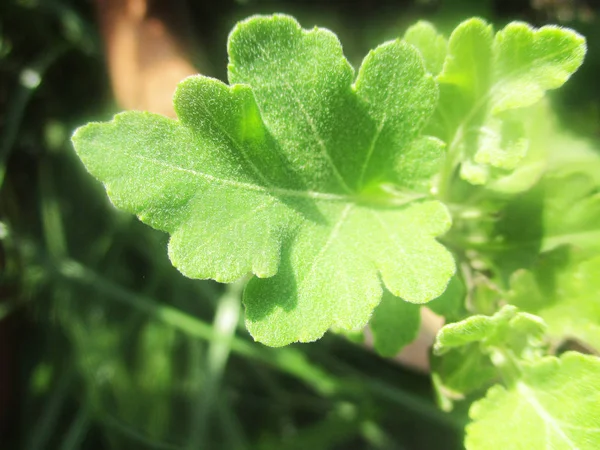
395,324
432,45
554,405
466,75
529,62
508,328
484,76
283,176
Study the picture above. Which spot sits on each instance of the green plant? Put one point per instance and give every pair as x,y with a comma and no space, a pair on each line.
331,189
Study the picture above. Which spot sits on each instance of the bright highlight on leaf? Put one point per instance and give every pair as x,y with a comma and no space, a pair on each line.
286,174
554,405
432,45
487,78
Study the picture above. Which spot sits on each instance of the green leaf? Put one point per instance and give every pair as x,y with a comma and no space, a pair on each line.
286,175
461,372
520,230
569,301
395,324
583,156
572,213
521,151
554,405
528,62
502,144
431,44
467,68
512,69
520,332
484,77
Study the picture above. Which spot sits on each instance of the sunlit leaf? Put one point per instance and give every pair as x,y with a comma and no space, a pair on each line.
554,405
508,328
285,174
431,44
487,75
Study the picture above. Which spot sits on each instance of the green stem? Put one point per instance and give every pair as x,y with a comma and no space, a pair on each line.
453,158
224,326
77,431
506,363
48,421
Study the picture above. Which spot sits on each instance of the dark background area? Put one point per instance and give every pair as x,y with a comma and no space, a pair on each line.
102,343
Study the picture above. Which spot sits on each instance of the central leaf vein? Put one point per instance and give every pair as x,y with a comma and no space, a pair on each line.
236,144
248,186
318,138
332,237
363,170
549,421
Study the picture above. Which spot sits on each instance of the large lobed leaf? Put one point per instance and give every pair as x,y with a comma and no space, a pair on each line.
283,175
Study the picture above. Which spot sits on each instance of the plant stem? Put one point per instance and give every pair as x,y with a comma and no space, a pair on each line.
507,365
224,326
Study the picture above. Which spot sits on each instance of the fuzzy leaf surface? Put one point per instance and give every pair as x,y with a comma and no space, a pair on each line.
528,62
508,328
554,405
485,75
432,45
280,174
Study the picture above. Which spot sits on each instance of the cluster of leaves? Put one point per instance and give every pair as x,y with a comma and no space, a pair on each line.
331,187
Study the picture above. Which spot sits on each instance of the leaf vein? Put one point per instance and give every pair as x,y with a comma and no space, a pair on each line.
549,421
248,186
363,170
236,144
318,138
332,237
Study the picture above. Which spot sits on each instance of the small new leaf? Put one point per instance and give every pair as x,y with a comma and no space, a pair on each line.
432,45
554,405
508,328
528,62
485,75
282,174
